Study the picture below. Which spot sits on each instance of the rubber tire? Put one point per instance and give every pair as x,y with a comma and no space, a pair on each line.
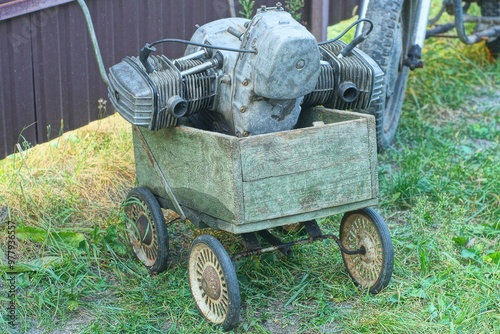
492,8
148,203
388,46
387,263
226,269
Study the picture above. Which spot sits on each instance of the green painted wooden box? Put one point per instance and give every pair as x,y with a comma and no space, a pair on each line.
263,181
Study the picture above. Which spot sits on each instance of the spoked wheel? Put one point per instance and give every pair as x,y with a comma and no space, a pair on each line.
365,230
147,231
213,282
389,44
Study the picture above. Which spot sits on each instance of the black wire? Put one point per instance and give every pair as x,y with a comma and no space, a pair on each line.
349,28
183,41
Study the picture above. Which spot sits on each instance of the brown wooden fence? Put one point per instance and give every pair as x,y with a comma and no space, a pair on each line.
49,81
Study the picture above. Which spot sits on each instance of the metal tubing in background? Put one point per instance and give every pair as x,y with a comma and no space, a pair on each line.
422,15
232,9
362,14
459,24
422,19
477,37
95,44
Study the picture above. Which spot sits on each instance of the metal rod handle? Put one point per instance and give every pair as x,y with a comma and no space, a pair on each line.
95,44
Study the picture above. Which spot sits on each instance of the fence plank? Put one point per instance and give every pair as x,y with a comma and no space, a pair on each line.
16,86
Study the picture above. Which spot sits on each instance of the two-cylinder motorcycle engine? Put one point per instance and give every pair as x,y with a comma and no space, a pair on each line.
244,77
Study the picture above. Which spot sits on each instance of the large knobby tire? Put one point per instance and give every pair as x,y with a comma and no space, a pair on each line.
365,229
213,282
388,44
146,229
492,8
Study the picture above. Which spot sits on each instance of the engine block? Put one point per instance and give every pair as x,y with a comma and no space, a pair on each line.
260,91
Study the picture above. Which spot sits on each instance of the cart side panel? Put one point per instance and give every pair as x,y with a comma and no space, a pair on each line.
271,223
199,166
372,150
293,194
309,169
315,114
303,150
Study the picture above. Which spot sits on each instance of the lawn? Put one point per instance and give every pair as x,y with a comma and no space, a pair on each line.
439,193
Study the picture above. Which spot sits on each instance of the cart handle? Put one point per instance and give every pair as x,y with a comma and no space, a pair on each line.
95,44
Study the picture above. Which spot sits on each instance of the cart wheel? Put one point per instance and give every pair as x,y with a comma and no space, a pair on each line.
147,231
366,229
213,282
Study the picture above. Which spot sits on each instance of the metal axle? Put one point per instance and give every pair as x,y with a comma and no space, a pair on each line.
312,228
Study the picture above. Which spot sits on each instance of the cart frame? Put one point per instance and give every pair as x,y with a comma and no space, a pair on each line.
327,165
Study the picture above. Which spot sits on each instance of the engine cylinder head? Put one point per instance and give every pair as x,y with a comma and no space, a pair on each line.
158,99
350,82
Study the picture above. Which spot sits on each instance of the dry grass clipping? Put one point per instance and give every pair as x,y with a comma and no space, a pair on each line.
76,179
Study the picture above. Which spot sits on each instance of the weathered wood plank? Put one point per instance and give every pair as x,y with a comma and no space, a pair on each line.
315,114
308,191
372,142
303,149
280,221
199,166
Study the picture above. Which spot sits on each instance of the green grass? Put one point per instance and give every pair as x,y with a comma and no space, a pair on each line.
439,188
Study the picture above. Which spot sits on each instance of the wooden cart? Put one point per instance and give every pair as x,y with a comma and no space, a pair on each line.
248,185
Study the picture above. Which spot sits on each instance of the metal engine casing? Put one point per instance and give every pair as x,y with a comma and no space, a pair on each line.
262,92
244,94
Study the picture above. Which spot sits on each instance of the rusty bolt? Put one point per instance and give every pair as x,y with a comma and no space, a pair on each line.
300,64
243,109
225,79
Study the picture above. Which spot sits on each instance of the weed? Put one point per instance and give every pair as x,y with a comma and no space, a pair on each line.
248,6
295,7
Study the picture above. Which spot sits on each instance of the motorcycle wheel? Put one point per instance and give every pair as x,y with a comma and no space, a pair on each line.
492,8
388,44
